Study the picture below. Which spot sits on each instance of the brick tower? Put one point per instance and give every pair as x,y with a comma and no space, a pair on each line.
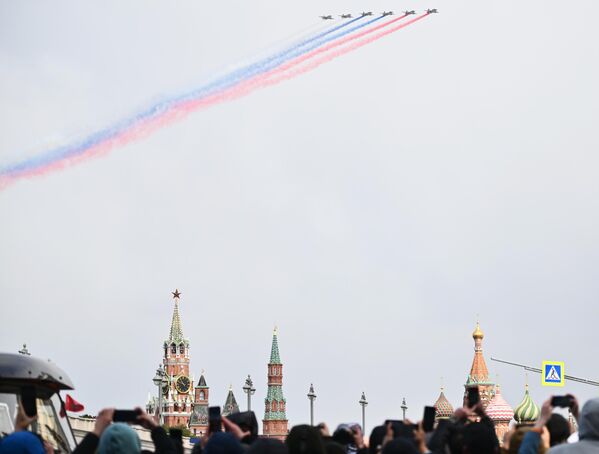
177,398
274,424
198,424
479,374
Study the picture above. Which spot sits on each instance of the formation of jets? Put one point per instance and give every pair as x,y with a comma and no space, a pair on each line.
383,14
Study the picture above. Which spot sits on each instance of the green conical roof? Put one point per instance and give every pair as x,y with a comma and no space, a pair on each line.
202,382
176,334
230,404
275,358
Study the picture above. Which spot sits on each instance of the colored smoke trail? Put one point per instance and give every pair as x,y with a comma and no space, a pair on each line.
108,137
282,74
275,76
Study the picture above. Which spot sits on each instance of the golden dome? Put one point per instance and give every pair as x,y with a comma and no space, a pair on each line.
478,333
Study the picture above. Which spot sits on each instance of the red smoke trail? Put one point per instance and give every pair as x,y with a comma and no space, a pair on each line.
282,73
269,78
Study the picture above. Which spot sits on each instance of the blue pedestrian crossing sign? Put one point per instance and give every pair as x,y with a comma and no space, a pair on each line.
553,374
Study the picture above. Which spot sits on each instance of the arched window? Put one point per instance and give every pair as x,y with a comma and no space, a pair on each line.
173,348
202,395
182,349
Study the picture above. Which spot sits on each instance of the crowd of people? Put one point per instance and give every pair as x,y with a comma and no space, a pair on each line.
470,431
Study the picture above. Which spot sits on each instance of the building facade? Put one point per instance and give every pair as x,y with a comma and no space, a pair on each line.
275,424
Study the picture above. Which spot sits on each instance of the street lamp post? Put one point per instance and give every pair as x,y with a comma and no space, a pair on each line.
249,389
363,402
404,407
312,397
159,380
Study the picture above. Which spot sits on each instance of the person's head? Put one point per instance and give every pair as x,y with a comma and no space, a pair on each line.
454,438
223,443
343,434
400,446
22,442
119,438
559,429
589,420
305,439
332,447
267,446
479,439
376,439
513,446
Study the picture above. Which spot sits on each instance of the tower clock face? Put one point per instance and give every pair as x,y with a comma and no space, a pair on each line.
183,384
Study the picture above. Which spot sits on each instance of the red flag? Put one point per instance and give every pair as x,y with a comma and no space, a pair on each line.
72,405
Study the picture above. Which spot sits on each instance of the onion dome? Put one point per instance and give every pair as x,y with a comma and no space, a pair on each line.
498,409
443,409
527,411
478,333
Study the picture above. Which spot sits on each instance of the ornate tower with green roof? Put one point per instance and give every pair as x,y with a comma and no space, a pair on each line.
177,400
275,422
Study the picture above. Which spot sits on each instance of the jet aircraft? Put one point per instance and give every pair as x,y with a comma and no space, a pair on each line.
346,16
387,13
326,17
369,13
407,13
431,11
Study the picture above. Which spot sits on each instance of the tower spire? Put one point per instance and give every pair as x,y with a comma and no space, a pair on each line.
479,374
275,358
176,334
274,423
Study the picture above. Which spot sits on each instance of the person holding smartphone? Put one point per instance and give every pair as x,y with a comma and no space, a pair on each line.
113,437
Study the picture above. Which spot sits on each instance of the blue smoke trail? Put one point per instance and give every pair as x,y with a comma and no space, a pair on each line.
160,108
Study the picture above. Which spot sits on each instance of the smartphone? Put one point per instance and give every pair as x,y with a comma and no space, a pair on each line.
561,401
125,416
28,401
214,420
473,396
428,419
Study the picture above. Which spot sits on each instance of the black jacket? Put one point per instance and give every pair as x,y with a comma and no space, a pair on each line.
162,443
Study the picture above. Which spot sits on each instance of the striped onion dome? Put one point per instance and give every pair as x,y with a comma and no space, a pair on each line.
498,409
443,409
527,411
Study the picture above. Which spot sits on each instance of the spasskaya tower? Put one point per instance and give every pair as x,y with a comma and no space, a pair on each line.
177,398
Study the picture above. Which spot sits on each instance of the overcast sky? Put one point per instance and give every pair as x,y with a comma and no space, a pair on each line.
371,208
